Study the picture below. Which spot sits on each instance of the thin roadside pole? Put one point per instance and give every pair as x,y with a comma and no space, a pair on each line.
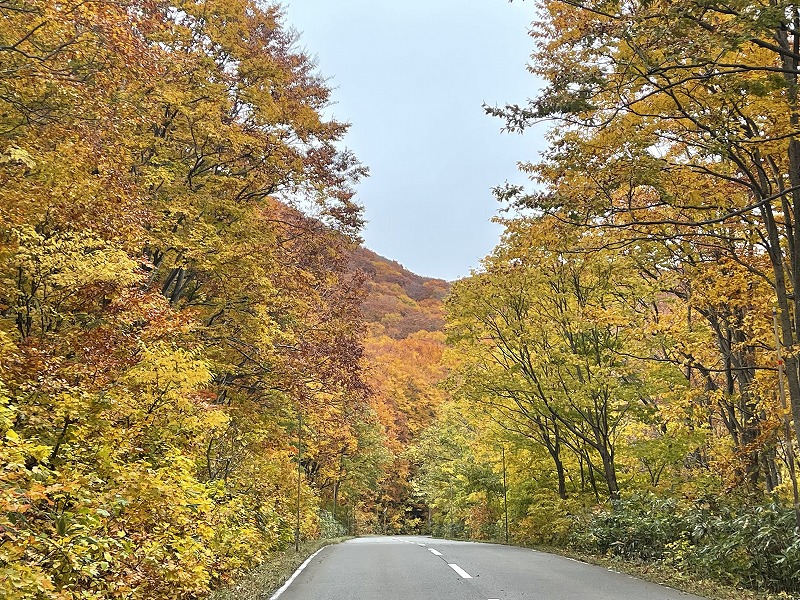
450,511
787,429
299,470
505,491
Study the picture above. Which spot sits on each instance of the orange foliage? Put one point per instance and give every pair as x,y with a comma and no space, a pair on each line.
397,299
403,352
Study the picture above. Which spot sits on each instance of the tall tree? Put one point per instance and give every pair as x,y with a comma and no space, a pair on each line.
664,104
550,333
163,312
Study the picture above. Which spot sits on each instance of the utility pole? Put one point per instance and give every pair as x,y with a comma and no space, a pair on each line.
505,491
450,512
787,429
299,471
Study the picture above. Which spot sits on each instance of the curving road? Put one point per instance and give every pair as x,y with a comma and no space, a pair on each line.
422,568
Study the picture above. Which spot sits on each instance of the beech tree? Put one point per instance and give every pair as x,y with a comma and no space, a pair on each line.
550,336
175,216
677,119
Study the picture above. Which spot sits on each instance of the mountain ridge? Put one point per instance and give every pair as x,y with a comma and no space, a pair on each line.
398,302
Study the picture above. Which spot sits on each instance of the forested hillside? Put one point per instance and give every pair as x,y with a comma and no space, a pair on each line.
404,348
398,302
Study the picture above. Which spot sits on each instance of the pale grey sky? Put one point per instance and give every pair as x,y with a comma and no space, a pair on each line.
411,76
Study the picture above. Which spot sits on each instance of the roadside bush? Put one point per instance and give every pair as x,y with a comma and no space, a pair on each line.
640,527
549,520
751,546
452,530
329,527
756,547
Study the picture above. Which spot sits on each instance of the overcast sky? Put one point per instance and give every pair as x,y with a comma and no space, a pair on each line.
411,76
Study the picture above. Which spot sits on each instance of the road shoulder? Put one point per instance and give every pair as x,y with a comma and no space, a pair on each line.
263,581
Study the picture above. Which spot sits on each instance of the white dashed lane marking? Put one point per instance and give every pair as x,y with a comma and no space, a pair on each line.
460,571
436,552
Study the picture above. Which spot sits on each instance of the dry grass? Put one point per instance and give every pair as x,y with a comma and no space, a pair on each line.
261,582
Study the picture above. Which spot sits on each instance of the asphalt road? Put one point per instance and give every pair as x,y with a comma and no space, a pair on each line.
422,568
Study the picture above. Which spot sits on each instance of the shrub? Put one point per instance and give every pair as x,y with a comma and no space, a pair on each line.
329,527
641,527
743,545
549,520
757,547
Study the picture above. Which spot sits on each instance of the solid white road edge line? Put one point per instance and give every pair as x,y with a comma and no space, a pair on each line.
460,571
436,552
295,574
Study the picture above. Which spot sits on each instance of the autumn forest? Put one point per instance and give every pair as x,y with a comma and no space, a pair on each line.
201,366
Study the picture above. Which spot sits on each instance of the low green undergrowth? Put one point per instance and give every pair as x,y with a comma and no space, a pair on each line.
744,546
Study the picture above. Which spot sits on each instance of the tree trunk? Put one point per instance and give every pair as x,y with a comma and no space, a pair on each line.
610,473
553,445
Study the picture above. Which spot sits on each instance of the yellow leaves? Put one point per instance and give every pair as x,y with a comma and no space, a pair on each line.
165,399
214,420
64,263
39,451
25,582
168,372
7,346
14,449
16,155
159,309
154,176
